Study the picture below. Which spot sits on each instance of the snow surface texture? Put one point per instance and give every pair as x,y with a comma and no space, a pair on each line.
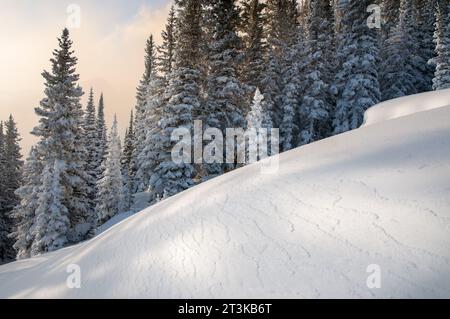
377,195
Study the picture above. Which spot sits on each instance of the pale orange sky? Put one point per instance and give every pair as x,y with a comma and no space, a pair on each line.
109,45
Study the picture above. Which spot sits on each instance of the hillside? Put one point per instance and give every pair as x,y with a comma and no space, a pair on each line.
377,195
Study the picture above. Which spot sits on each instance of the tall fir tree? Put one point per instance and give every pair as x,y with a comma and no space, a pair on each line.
4,218
254,45
110,187
61,138
226,96
441,61
316,106
398,70
184,99
390,12
128,164
91,146
13,169
52,221
140,129
2,169
356,84
166,51
102,136
424,11
24,213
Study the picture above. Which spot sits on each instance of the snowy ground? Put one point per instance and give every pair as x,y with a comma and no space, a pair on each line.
378,195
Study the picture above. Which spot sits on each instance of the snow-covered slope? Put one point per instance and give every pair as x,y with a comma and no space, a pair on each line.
396,108
378,195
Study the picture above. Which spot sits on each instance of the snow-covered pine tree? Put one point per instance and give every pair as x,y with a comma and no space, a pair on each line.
141,99
292,64
166,50
110,187
4,218
399,66
24,213
252,28
13,164
91,144
102,136
316,105
282,33
423,35
441,61
61,136
226,102
2,168
128,163
356,83
390,11
51,223
184,100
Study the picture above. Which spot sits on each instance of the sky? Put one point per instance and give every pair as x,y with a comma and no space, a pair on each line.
109,43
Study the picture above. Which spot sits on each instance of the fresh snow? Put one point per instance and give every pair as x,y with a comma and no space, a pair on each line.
379,195
403,106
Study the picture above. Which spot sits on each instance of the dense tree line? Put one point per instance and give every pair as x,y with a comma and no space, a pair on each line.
311,69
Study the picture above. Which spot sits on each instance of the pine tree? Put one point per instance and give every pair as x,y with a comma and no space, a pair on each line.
61,136
102,137
184,100
441,62
255,50
24,213
316,107
225,104
110,187
423,35
141,99
2,169
51,223
128,163
398,70
167,49
4,218
390,10
282,34
356,83
13,162
91,144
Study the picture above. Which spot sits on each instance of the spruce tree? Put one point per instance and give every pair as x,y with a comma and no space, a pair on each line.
423,35
91,144
24,213
356,83
316,106
252,27
166,52
141,97
110,187
225,104
102,136
51,222
441,61
61,138
128,163
399,68
184,98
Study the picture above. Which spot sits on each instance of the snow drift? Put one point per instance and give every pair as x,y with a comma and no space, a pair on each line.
379,195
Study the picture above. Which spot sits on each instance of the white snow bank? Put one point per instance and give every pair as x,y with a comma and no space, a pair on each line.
379,195
403,106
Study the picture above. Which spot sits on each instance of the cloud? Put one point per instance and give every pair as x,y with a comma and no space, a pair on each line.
109,46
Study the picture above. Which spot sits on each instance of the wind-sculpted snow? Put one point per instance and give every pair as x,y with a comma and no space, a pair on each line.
407,105
379,195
